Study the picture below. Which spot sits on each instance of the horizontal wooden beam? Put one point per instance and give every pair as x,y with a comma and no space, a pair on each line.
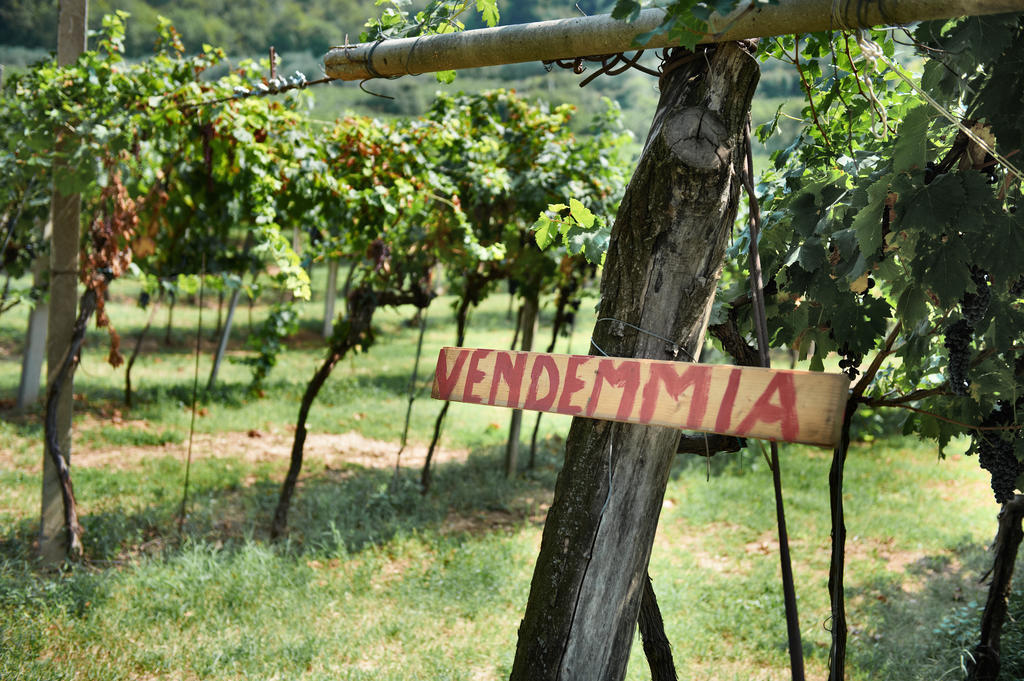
601,35
793,406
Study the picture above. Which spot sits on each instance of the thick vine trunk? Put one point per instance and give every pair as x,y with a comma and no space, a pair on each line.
657,649
461,321
356,330
837,563
63,379
284,500
173,298
986,664
135,355
357,333
664,259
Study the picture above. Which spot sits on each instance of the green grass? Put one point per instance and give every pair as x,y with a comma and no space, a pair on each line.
377,581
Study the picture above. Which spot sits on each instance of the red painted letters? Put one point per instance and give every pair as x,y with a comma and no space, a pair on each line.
625,376
573,384
512,373
780,404
725,409
783,413
695,376
533,401
474,376
446,381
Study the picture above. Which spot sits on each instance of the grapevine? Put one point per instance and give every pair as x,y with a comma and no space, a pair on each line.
975,304
995,450
958,345
850,362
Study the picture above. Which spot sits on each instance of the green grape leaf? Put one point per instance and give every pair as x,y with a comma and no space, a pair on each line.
911,147
488,9
934,206
627,10
994,376
1005,235
943,271
545,229
868,221
811,254
581,213
912,306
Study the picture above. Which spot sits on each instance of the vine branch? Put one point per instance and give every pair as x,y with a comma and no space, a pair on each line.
810,95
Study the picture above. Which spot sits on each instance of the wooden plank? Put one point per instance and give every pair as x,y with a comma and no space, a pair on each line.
772,404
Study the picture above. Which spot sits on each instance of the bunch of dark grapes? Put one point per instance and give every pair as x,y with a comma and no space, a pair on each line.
996,455
958,344
849,363
958,334
1017,290
975,305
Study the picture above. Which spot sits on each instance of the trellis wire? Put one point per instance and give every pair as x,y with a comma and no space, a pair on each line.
195,392
412,392
873,53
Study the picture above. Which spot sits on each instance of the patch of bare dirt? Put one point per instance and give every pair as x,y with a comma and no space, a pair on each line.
692,545
955,490
485,521
331,450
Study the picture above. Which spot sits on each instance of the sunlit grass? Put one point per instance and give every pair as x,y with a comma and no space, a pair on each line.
377,581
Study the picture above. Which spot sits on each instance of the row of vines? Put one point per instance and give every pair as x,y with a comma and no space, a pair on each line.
188,178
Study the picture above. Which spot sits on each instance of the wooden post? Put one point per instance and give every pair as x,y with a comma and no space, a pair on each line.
664,259
225,336
35,338
66,218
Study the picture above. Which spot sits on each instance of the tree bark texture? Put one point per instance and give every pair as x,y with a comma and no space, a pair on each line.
664,259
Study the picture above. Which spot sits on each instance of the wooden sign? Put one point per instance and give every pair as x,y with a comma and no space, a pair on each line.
773,404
